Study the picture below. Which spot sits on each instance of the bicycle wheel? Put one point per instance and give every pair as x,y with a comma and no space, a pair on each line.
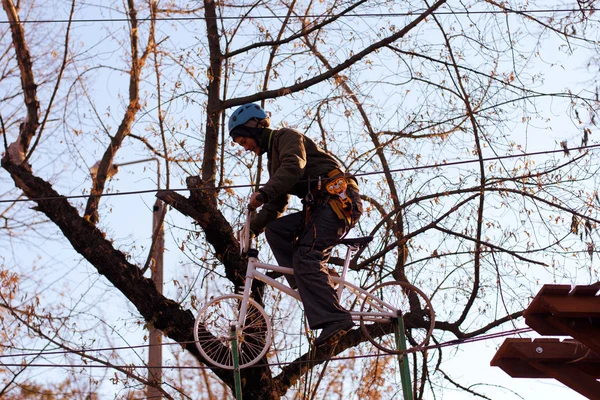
412,306
212,332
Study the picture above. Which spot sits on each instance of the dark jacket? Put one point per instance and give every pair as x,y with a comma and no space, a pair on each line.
293,159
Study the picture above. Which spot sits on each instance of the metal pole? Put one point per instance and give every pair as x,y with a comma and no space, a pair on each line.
236,364
156,269
403,359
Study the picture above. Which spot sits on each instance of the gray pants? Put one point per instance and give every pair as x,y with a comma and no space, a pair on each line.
308,256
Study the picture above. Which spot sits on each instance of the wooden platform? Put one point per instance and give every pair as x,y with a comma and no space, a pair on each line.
559,310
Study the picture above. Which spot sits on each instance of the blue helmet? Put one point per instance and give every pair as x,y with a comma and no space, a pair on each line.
245,113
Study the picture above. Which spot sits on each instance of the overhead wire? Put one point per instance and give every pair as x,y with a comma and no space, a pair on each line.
445,164
353,15
445,344
314,16
456,342
360,174
362,15
90,350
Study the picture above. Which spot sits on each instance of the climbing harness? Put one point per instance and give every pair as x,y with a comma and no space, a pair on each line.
339,200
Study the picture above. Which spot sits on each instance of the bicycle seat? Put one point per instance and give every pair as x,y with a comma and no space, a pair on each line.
360,241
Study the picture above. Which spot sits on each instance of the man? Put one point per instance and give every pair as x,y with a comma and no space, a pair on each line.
302,240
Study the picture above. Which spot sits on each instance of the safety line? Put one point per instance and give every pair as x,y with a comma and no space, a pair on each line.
455,342
415,168
264,17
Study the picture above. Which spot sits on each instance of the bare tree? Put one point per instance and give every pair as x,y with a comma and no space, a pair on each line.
440,109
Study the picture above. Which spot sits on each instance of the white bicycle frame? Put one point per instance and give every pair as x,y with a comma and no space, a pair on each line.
385,310
226,320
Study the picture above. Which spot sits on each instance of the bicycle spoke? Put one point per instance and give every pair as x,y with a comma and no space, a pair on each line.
212,332
410,303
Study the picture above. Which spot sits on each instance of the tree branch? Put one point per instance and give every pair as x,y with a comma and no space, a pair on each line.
163,313
202,208
271,94
28,128
137,63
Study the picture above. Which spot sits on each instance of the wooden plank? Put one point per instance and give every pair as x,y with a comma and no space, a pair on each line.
581,302
573,327
507,349
572,377
572,306
536,306
516,355
584,330
517,368
540,324
552,289
587,290
551,350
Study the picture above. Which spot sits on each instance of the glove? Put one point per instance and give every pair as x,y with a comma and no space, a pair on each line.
256,200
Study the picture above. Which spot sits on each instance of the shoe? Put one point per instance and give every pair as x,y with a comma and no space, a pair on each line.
333,332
